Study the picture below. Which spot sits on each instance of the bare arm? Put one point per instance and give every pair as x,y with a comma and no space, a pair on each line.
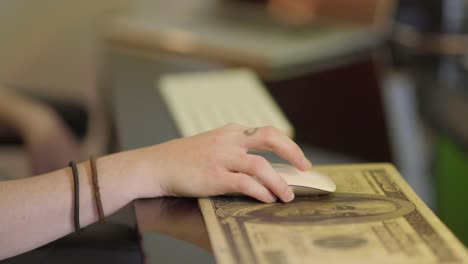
37,210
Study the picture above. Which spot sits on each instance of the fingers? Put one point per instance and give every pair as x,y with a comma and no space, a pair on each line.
243,183
271,139
261,169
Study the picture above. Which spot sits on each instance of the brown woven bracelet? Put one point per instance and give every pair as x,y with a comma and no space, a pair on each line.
97,193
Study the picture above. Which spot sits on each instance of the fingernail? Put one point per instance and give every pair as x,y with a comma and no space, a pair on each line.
273,199
289,195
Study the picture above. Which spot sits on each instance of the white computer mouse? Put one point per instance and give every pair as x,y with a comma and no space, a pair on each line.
302,182
305,182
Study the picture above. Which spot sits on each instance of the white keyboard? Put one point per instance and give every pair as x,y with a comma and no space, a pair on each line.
203,101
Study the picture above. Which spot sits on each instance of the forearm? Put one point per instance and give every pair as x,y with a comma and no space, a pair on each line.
37,210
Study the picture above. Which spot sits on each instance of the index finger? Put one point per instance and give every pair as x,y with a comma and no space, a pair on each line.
271,139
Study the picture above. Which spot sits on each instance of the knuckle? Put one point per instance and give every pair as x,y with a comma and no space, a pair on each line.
228,183
258,164
243,184
269,134
270,130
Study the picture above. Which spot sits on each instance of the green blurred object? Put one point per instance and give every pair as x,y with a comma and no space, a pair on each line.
451,172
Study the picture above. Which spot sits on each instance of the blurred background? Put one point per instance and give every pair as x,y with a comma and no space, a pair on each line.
360,81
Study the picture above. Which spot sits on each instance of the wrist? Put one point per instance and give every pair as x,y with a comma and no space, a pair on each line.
143,172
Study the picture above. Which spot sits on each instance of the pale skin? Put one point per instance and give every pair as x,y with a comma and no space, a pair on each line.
37,210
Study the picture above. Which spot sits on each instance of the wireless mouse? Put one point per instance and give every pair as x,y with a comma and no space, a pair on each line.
305,182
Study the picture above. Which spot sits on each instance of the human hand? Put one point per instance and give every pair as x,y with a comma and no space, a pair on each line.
217,162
